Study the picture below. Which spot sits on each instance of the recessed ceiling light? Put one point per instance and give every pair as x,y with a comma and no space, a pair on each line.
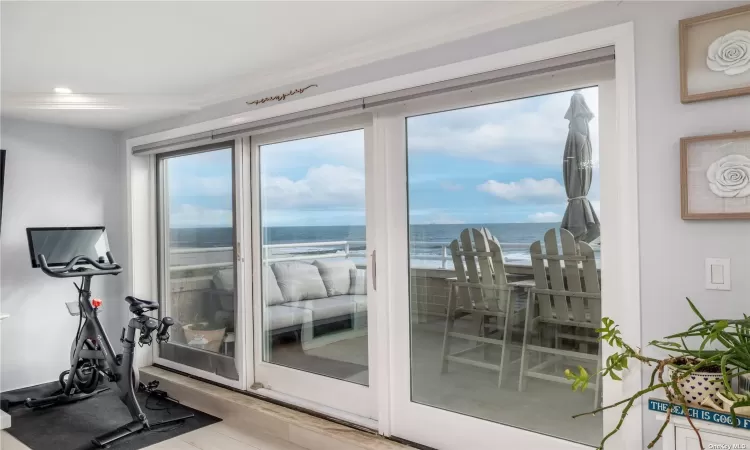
63,90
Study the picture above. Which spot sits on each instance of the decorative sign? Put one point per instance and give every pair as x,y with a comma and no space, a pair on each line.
708,415
280,97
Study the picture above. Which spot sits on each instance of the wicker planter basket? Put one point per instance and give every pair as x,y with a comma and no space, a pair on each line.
211,339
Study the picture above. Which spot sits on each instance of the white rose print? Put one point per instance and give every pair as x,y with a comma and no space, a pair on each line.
730,176
730,53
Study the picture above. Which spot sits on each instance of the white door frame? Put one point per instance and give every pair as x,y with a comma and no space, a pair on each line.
241,362
622,217
339,398
433,426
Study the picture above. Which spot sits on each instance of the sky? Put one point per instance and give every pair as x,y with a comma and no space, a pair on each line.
496,163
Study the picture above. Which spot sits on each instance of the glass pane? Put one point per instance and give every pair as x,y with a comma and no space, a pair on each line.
314,260
197,215
502,173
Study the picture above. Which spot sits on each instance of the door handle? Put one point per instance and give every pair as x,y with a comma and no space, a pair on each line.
374,265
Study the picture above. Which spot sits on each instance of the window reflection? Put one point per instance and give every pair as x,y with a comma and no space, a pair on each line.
504,202
314,265
198,232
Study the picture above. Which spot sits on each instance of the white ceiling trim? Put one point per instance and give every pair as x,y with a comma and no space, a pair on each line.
46,101
431,33
536,52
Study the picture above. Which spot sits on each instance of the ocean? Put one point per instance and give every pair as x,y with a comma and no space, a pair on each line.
427,241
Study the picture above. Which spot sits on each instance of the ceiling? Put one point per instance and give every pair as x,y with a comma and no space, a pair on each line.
129,63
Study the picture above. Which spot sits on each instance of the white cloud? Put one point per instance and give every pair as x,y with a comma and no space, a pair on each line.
347,148
450,186
545,217
545,191
520,131
207,174
186,184
323,186
186,215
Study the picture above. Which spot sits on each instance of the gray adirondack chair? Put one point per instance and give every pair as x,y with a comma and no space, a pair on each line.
563,301
481,290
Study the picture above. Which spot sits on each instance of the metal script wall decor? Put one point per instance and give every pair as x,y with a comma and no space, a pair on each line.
280,97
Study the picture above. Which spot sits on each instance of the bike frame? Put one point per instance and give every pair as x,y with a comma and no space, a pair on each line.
91,341
93,330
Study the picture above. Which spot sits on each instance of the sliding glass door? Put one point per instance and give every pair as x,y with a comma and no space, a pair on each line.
496,197
429,269
312,296
197,262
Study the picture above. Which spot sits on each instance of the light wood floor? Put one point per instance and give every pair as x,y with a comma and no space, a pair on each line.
219,436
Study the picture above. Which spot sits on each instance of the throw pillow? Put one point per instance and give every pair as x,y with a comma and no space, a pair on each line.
271,292
299,281
336,275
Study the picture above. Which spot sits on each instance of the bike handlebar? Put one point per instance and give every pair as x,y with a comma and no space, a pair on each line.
67,272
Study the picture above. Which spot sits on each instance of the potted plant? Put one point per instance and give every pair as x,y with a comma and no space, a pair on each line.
700,386
204,333
677,374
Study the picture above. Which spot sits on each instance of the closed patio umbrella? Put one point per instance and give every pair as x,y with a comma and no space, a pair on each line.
580,218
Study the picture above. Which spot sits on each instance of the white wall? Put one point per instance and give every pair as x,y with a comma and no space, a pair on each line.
55,176
672,251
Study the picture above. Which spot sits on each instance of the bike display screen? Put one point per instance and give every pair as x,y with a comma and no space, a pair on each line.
60,245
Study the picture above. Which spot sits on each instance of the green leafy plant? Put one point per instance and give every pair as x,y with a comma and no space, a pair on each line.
724,347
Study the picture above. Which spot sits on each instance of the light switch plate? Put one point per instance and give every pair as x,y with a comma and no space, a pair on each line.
717,274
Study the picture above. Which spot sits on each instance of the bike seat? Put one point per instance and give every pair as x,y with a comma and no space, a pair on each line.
138,305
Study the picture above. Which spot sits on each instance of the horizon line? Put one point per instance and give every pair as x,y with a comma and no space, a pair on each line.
351,225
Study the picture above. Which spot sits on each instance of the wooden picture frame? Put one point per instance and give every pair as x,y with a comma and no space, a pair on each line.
695,47
714,149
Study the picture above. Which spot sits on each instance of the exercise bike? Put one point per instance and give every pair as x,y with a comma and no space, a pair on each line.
84,252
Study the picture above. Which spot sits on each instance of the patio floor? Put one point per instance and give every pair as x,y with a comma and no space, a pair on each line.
544,407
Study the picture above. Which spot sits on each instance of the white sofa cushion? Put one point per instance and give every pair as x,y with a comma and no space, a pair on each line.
224,279
358,281
360,301
336,275
281,316
271,292
299,281
326,308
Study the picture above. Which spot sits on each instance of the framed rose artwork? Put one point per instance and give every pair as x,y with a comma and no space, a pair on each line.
715,55
715,176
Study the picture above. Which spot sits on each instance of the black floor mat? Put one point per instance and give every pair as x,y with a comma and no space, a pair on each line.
72,426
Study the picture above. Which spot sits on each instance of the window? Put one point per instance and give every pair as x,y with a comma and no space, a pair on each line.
314,289
502,169
198,263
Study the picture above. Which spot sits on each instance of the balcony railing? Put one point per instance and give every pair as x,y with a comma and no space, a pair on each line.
320,250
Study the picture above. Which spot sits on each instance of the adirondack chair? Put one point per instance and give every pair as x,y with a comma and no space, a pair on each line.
563,301
481,290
